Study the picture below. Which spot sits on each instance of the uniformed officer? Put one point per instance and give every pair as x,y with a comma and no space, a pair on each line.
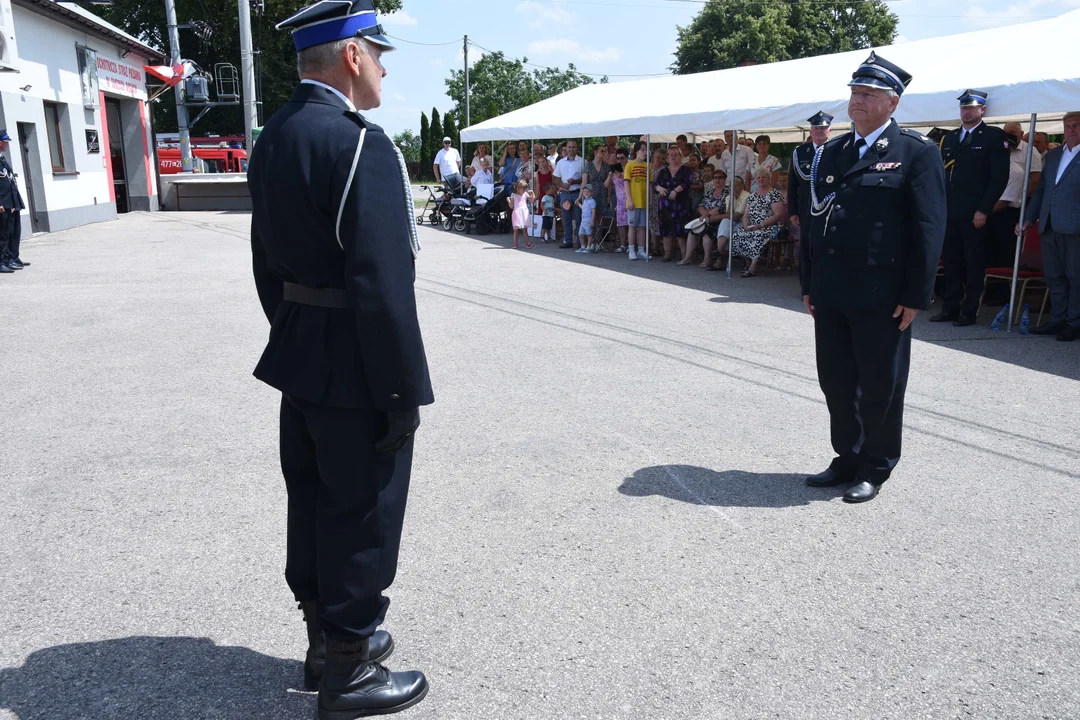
11,203
798,193
334,244
976,157
872,236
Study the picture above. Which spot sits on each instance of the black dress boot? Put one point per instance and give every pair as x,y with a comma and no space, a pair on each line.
381,646
355,686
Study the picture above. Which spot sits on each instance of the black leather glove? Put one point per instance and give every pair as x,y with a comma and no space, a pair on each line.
400,428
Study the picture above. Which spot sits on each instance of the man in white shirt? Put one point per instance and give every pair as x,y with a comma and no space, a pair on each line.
1001,251
448,165
1018,156
743,157
717,149
1042,144
569,175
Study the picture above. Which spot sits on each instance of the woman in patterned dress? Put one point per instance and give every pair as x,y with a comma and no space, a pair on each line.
617,189
673,186
764,211
598,171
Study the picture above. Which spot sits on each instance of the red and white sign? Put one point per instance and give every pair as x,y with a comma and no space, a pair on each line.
119,78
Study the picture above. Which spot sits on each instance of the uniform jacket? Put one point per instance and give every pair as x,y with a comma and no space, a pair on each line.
798,192
878,244
976,174
1056,205
10,197
329,212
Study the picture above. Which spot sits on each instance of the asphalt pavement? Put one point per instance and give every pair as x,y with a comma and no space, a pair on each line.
607,517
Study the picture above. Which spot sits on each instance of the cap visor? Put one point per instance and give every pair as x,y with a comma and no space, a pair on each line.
381,40
871,82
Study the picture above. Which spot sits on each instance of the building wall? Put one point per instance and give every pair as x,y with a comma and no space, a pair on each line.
48,63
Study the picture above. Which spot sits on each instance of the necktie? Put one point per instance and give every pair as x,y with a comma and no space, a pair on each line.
965,138
853,154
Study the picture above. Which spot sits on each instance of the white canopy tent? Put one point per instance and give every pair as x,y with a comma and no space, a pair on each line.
748,98
703,105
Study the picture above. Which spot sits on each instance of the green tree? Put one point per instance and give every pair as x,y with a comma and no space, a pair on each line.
214,37
425,146
450,128
498,84
409,144
729,33
436,133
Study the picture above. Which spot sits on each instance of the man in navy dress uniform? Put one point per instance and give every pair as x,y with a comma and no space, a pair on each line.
11,203
871,240
798,193
976,157
334,245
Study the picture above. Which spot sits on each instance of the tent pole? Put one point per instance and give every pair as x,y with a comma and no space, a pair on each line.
532,182
648,194
1020,237
731,201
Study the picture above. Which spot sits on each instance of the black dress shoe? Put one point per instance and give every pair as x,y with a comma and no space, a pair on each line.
381,646
964,321
1069,334
944,316
1051,329
6,269
829,478
355,686
566,246
16,264
23,262
863,492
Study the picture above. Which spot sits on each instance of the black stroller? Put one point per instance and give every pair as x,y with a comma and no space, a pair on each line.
438,197
488,215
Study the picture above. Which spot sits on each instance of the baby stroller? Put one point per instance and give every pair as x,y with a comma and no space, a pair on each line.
455,208
432,210
489,215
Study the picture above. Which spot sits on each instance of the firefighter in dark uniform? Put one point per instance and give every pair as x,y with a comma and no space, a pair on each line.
798,192
11,203
334,245
976,157
871,240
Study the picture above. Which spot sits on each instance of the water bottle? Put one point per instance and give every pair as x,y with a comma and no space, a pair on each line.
1025,321
1000,319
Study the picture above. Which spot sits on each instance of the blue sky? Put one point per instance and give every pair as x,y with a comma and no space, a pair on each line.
635,37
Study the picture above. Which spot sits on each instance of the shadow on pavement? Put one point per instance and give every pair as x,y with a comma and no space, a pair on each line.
154,677
730,488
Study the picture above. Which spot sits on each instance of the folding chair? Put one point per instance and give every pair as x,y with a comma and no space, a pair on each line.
1028,278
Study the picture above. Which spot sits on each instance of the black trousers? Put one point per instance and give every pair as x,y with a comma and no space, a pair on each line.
10,236
965,255
346,508
1002,241
862,360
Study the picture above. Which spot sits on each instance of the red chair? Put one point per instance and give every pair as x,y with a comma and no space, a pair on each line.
1031,254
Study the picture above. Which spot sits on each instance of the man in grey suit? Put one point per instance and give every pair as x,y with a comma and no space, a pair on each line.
1055,205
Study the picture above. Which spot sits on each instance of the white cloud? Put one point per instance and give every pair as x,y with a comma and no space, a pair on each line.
401,17
436,61
899,39
398,96
1018,12
573,50
543,15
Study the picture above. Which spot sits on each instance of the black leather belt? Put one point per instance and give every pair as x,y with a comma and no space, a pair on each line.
319,297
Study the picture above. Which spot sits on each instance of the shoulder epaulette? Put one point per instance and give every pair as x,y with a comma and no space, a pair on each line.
916,134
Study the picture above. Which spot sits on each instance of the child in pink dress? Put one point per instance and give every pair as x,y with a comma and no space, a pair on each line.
519,203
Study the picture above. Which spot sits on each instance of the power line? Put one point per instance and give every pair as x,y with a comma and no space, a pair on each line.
582,72
413,42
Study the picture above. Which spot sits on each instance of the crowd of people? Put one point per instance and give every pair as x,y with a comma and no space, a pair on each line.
675,201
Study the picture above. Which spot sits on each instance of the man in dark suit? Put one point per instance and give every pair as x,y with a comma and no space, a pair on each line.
976,157
1055,206
11,203
871,240
798,188
334,244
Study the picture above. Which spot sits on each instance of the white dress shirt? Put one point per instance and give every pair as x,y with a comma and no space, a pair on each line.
570,171
871,138
347,101
1067,156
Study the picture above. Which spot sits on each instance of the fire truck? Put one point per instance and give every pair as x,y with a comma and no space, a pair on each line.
205,159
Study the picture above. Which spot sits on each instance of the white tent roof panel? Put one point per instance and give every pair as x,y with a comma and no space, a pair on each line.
707,103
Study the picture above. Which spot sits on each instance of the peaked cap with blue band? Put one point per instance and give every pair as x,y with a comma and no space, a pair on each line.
972,98
820,119
879,73
331,20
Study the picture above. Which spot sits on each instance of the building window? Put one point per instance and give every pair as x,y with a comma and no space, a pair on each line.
52,128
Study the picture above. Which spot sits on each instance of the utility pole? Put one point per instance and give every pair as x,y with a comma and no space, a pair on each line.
467,123
181,109
247,67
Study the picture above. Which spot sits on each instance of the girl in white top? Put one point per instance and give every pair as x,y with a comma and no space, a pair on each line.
762,159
